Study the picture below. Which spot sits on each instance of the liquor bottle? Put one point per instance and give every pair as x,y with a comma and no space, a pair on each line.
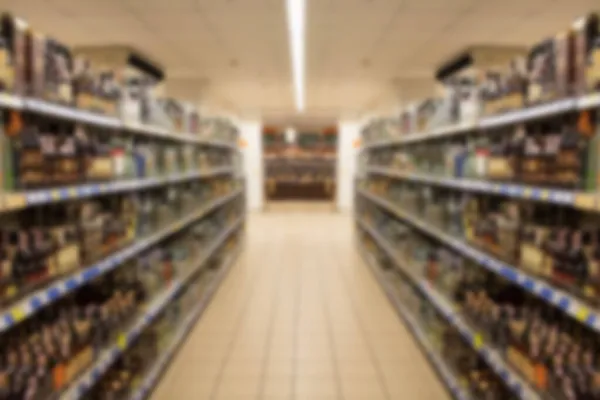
587,54
12,70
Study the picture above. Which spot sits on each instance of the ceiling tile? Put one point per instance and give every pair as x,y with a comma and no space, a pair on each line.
439,5
89,8
166,7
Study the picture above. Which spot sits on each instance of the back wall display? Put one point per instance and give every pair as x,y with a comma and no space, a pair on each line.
300,165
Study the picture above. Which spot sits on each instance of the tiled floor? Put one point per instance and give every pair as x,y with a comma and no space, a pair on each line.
300,317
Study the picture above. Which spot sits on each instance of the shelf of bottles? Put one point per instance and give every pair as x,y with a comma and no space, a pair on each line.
120,213
479,210
300,167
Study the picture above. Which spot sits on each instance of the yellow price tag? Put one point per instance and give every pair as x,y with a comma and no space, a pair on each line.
55,194
17,314
582,314
527,193
477,341
122,341
73,193
13,201
585,201
544,194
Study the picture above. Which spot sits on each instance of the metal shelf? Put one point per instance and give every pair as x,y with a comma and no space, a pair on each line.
571,198
489,354
421,337
154,374
508,118
29,305
109,355
564,301
105,121
18,200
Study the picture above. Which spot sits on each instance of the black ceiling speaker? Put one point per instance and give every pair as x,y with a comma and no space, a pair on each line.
454,65
144,64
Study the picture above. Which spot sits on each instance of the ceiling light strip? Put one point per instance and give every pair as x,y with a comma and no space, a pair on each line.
296,21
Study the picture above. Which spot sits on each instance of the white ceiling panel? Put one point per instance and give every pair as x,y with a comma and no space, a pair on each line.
89,8
440,5
162,6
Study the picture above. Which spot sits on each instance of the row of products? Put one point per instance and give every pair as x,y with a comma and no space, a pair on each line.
558,67
44,243
556,354
471,372
45,354
300,169
48,154
561,152
558,244
42,356
309,143
554,68
127,373
39,66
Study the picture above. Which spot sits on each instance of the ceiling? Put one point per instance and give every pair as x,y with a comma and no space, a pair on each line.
361,54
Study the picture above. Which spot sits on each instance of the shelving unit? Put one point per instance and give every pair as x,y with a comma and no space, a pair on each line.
116,225
584,102
480,213
416,330
491,356
79,388
304,169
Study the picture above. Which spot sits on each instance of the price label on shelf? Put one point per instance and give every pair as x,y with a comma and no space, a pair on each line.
122,341
582,314
17,314
477,341
585,201
14,201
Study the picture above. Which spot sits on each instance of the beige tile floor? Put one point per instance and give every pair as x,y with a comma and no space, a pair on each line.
300,317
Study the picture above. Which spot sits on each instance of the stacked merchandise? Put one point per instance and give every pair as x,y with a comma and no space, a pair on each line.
479,213
119,215
304,168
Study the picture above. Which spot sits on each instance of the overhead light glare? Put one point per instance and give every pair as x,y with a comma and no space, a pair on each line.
296,21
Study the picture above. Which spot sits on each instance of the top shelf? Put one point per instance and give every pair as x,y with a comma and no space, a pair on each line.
494,121
105,121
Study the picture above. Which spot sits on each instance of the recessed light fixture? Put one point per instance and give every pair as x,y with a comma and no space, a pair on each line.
290,135
296,22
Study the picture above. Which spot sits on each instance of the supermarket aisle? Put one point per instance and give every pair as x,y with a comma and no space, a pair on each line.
300,317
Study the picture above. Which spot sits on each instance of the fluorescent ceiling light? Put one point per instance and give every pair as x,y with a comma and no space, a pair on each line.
296,21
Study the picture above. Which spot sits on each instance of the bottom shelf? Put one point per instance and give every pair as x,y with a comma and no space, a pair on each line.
298,190
155,373
432,355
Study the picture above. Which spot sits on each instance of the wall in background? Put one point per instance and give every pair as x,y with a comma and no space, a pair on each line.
251,135
348,134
